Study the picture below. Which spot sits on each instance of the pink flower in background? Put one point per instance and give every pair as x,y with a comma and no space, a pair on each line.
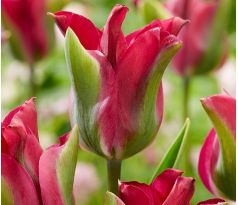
29,175
123,111
26,21
196,56
168,188
217,161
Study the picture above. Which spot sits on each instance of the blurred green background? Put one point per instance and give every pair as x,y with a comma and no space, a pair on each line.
53,88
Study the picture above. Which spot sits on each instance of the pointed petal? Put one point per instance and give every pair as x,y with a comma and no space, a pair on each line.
164,183
212,202
17,183
182,192
208,160
112,199
88,34
19,130
223,108
172,26
56,171
113,43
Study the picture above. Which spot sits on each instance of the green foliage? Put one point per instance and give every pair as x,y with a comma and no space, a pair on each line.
174,153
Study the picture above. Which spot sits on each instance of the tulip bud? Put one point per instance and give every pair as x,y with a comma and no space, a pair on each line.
117,80
217,161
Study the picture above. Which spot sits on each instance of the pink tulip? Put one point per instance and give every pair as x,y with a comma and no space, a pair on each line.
168,188
126,95
217,161
194,57
29,175
25,19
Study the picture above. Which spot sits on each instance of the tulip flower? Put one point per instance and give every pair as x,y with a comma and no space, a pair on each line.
166,189
116,83
29,175
217,161
25,19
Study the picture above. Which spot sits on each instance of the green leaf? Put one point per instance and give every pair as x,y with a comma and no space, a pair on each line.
173,155
112,199
66,165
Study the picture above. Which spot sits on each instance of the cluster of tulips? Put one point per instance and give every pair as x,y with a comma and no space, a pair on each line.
117,109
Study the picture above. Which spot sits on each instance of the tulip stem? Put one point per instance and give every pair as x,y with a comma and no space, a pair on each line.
114,173
186,82
32,80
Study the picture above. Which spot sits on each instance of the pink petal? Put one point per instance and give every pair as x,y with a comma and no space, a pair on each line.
171,26
136,193
164,183
56,171
88,34
224,107
50,189
113,43
19,181
208,159
182,192
211,202
19,130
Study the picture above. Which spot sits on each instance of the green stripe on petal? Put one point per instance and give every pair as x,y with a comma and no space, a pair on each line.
66,165
85,75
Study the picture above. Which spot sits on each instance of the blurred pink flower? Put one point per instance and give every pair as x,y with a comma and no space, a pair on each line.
26,21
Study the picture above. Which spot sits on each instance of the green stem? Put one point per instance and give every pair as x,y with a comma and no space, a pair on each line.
114,173
186,82
32,80
187,164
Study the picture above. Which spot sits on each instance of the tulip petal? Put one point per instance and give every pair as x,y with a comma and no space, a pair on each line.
112,199
213,202
88,34
113,43
17,183
173,155
208,159
136,193
56,171
172,26
85,74
19,130
182,192
221,110
144,82
164,183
